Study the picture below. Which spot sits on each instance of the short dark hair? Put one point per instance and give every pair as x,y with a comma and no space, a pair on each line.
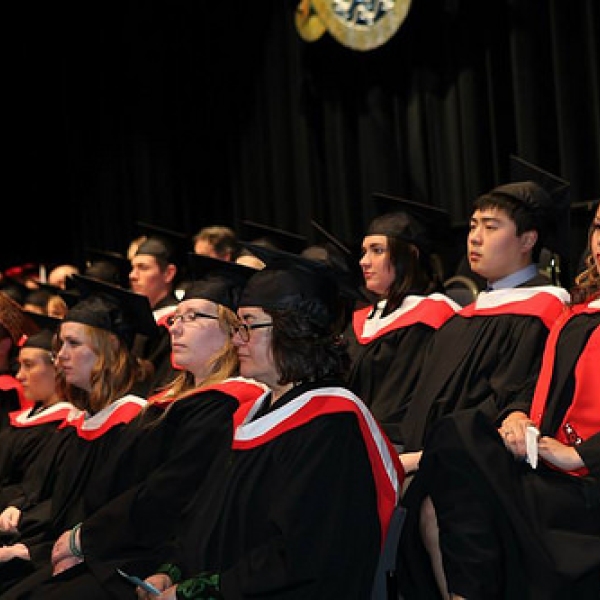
527,205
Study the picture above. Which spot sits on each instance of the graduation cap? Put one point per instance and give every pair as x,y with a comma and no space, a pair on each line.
558,207
292,282
111,308
166,245
216,280
333,252
108,266
44,337
260,234
14,319
420,224
70,294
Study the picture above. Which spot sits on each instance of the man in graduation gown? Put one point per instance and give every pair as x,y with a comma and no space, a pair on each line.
491,348
511,524
156,269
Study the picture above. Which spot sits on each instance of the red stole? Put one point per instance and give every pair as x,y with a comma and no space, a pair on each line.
244,390
95,426
8,382
544,302
432,311
583,415
388,472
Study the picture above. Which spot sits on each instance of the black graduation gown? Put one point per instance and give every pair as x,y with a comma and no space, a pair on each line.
21,443
386,364
294,515
174,450
485,355
507,530
79,453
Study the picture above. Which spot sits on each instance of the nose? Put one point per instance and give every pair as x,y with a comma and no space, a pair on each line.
236,339
474,236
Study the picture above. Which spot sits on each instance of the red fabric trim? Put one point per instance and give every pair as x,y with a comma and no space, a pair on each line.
387,496
44,417
123,414
430,312
583,414
542,305
8,382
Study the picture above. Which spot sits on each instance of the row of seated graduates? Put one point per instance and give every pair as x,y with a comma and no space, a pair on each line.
406,235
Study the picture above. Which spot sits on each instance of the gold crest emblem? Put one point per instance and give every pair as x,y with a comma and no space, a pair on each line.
357,24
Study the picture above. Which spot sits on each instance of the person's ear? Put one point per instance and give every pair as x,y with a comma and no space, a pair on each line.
528,240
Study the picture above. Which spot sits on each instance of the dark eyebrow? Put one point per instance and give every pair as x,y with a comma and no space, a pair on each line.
485,220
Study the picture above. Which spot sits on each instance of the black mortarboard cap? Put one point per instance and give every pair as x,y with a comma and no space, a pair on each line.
111,308
44,338
260,234
216,280
292,282
71,294
420,224
165,244
332,251
108,266
559,208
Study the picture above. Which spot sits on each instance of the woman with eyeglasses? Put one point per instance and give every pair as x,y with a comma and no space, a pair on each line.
518,507
304,503
182,436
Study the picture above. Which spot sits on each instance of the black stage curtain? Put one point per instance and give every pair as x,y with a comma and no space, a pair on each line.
186,113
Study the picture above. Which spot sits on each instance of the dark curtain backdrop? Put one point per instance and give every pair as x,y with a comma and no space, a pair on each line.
185,113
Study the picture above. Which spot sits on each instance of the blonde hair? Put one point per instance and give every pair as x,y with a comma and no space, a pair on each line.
221,365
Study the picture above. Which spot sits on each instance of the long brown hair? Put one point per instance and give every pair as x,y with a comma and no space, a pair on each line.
113,376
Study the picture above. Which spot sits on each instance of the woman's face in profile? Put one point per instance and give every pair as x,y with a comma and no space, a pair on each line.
76,357
378,272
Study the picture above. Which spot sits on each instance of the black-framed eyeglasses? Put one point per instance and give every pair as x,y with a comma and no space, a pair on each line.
244,329
189,317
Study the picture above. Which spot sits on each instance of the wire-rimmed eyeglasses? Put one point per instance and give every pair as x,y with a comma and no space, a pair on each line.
244,329
188,317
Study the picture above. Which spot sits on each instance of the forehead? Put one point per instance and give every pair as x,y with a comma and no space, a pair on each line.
145,260
251,311
195,304
32,353
374,240
71,329
490,212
